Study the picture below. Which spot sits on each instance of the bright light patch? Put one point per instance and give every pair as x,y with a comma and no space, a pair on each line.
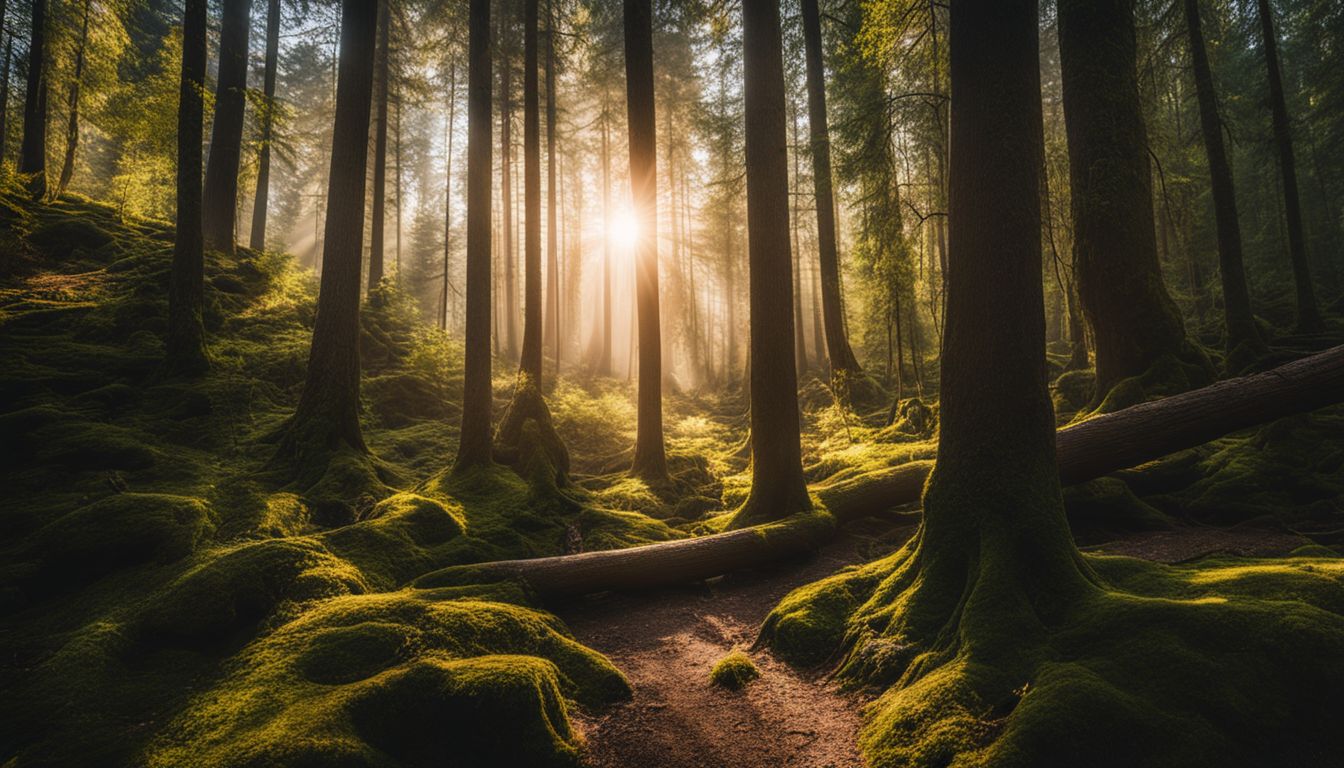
624,231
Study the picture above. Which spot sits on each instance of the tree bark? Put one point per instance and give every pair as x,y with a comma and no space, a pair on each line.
1240,323
72,105
1134,321
552,233
186,352
226,138
843,362
33,150
381,88
474,448
1085,451
261,202
327,418
532,341
650,459
1308,316
777,485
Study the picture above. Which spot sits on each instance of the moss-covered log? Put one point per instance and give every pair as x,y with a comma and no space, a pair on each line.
1085,451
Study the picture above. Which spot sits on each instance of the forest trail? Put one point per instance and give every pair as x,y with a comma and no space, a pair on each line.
666,646
677,717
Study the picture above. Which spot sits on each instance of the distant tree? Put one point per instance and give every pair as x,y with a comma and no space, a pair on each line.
381,88
261,202
186,281
1240,323
509,310
1134,321
532,341
552,324
327,418
4,85
33,150
72,104
1308,316
777,486
226,137
474,448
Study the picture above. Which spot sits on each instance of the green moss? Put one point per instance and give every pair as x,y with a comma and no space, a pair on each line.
734,671
61,237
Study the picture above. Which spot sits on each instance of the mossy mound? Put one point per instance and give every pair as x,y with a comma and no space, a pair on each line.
1221,662
734,671
1168,375
413,676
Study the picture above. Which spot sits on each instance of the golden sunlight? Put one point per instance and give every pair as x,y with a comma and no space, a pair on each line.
624,230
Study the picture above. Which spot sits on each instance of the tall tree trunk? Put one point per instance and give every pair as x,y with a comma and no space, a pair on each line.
474,448
186,281
796,247
1134,321
327,418
1241,330
1308,316
261,202
445,310
650,460
33,150
72,106
777,486
552,252
381,88
532,342
226,138
509,314
814,298
604,367
842,359
4,95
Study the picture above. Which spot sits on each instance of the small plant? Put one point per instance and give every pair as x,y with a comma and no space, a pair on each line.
734,671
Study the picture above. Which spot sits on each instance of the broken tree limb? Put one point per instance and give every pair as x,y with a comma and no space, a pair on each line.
1085,451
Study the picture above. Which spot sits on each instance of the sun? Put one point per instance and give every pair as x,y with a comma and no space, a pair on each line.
624,229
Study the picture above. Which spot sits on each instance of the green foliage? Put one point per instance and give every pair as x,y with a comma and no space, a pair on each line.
734,671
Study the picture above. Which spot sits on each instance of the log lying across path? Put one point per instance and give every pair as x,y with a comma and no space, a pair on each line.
1087,450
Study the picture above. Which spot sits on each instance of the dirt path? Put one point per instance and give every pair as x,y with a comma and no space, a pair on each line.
667,642
677,718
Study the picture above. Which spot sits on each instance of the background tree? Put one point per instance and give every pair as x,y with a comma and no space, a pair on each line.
226,137
72,103
382,86
186,282
33,150
261,202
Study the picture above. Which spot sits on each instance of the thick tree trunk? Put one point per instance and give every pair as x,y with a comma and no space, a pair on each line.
650,460
841,356
1308,316
327,418
381,88
72,105
33,150
261,202
186,282
777,486
1134,321
474,448
226,138
1084,451
1240,323
532,342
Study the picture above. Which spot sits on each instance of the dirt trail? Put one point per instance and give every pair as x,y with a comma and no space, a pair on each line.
677,718
666,643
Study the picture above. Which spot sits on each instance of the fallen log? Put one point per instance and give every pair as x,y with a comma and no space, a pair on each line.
1087,450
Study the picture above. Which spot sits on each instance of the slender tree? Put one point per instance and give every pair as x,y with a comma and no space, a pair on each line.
509,310
1134,321
261,202
381,88
474,448
327,418
552,233
842,360
4,89
532,342
777,485
1308,316
226,137
650,460
449,129
33,150
186,281
72,103
604,366
1240,323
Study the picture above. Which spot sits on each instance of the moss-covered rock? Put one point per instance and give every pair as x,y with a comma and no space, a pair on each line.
734,671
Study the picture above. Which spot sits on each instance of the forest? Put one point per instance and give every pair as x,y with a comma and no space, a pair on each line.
671,383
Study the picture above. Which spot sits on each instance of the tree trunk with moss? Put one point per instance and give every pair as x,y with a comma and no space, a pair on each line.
1240,323
33,150
226,138
842,360
650,460
1134,321
261,202
186,281
1308,316
777,486
474,448
327,418
381,87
